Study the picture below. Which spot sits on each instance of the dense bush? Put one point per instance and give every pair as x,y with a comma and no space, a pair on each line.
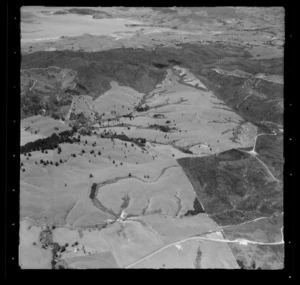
160,65
142,109
197,209
93,191
158,116
164,129
50,142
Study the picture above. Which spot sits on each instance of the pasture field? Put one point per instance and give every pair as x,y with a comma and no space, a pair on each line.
131,239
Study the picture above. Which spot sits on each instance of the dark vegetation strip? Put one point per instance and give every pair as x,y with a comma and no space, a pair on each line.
178,200
46,240
165,129
93,196
197,262
198,209
51,142
138,141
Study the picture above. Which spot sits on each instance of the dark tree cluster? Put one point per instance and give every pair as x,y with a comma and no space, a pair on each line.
160,65
56,254
164,129
93,191
197,209
158,116
174,61
128,116
45,162
243,266
184,150
50,142
138,141
72,92
142,109
86,131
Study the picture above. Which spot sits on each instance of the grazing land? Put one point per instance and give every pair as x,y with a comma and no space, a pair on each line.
151,138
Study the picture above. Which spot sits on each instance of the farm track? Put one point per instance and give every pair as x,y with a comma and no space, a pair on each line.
231,226
253,153
262,163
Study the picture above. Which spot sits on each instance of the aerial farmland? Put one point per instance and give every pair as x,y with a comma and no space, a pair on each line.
147,145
